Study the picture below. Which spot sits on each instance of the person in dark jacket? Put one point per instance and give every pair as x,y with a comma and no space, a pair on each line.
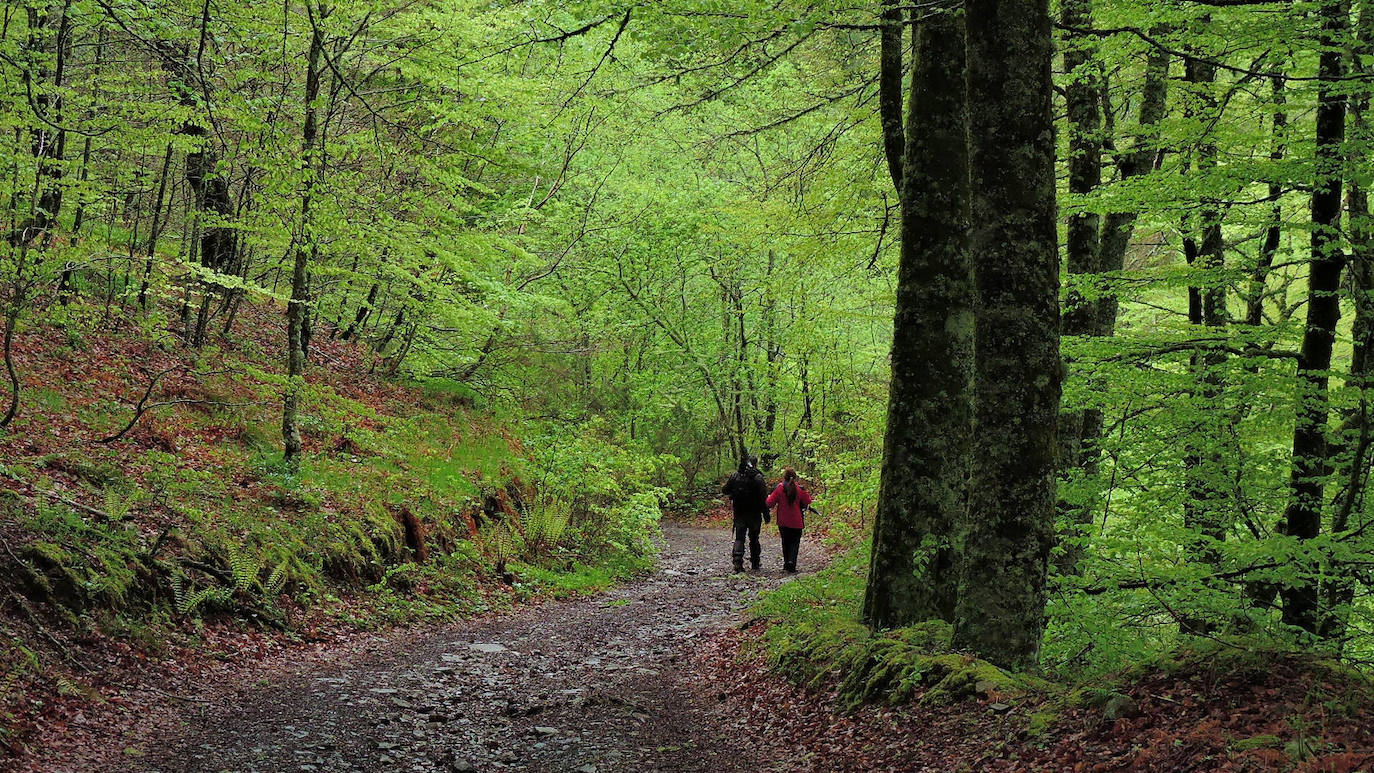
792,501
748,494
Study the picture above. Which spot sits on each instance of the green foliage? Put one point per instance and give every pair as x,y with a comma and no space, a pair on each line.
607,494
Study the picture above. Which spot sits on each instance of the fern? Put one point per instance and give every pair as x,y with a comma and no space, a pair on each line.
243,567
187,603
275,581
179,594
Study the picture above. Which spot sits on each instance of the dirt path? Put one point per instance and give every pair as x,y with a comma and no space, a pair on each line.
587,685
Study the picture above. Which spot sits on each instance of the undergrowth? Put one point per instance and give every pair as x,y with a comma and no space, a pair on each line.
411,504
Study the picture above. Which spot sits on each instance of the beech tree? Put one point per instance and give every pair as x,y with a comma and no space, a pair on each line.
922,499
1006,539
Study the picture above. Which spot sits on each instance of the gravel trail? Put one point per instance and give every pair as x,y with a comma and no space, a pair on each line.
590,686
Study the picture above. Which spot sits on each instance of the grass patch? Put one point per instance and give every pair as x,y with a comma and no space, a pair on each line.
581,579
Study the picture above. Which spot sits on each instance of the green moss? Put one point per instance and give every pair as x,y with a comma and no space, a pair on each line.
971,678
814,636
1257,742
55,574
1041,722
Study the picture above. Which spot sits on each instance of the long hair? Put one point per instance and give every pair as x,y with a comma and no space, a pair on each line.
789,485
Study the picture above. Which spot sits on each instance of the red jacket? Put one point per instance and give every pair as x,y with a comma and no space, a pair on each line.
790,513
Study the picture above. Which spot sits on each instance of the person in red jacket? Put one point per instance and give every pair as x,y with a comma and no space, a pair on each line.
791,500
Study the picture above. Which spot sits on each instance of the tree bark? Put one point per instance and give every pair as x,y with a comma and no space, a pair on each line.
1000,614
1303,517
1081,428
296,309
48,144
922,495
1339,590
360,319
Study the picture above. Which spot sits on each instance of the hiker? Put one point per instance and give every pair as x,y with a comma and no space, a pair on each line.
747,491
791,500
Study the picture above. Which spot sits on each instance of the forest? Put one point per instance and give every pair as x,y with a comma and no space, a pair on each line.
342,325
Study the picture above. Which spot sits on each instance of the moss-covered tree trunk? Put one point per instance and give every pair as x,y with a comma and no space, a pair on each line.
1005,544
925,449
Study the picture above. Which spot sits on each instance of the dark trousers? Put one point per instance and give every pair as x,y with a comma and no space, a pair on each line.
791,543
747,527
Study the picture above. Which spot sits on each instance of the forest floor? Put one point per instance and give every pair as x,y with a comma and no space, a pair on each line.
600,683
667,673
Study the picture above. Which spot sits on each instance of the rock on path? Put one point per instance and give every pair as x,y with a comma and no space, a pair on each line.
592,685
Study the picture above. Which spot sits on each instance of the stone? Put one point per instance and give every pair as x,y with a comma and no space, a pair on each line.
490,647
1119,706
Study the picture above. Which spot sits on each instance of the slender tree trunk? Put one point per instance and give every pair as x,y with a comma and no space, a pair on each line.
1303,517
213,202
84,175
48,144
1205,509
153,233
890,71
1079,430
923,492
364,310
1254,303
1261,593
1006,540
1338,590
296,308
1100,250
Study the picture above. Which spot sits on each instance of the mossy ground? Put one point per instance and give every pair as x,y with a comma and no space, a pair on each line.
1214,705
814,636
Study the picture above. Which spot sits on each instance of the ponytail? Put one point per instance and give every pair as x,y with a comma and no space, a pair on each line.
789,485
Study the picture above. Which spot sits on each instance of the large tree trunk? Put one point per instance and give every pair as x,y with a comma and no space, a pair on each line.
1303,517
296,308
1006,542
925,450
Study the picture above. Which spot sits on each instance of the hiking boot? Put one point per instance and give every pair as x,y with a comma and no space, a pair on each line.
739,567
789,568
756,566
